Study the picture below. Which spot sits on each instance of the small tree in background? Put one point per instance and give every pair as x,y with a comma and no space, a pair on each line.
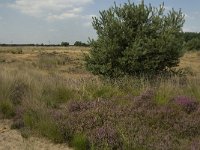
135,39
79,43
64,44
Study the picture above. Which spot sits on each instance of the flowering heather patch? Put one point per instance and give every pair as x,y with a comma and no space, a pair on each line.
137,122
81,106
188,104
106,135
17,91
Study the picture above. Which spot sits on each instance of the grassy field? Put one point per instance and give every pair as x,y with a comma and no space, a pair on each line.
47,92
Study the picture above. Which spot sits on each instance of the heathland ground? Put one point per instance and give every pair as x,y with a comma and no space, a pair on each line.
46,92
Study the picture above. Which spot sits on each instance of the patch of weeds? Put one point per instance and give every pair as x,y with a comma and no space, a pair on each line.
49,129
93,91
192,89
161,97
17,124
188,104
80,142
26,133
47,61
43,125
76,69
133,86
30,119
57,95
198,54
17,91
189,71
17,51
163,94
51,60
2,60
7,109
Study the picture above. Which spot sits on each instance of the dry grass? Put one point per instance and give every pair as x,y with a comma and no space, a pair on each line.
191,61
31,57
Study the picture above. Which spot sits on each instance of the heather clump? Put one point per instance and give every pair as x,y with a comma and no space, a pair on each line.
188,104
106,136
18,90
140,123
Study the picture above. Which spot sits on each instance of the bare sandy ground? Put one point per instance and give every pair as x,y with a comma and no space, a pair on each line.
12,140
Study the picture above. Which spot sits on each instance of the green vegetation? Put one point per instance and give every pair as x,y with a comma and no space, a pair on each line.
92,113
79,43
7,109
47,92
188,36
135,39
193,44
64,44
80,142
192,41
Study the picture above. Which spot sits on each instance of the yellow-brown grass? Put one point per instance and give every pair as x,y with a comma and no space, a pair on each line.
191,61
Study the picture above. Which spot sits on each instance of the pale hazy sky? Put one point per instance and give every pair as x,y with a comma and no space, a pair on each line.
44,21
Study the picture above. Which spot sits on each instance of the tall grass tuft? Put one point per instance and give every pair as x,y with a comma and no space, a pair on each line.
80,142
7,109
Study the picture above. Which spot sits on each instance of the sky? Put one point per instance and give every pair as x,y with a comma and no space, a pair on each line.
54,21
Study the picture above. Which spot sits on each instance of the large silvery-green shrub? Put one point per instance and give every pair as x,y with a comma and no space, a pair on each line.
135,39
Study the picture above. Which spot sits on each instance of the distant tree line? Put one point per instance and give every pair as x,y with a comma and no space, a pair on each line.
77,43
190,35
10,45
192,41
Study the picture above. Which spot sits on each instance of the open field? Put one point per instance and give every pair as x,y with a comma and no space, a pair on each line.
191,61
47,92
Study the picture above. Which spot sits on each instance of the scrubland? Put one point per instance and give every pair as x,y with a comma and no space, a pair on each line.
47,92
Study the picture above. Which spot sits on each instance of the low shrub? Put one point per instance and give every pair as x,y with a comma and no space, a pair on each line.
187,103
7,109
140,124
18,90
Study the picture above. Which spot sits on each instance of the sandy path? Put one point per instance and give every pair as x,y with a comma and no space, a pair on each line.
12,140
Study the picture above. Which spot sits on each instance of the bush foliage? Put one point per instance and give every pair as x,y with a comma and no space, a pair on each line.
135,39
